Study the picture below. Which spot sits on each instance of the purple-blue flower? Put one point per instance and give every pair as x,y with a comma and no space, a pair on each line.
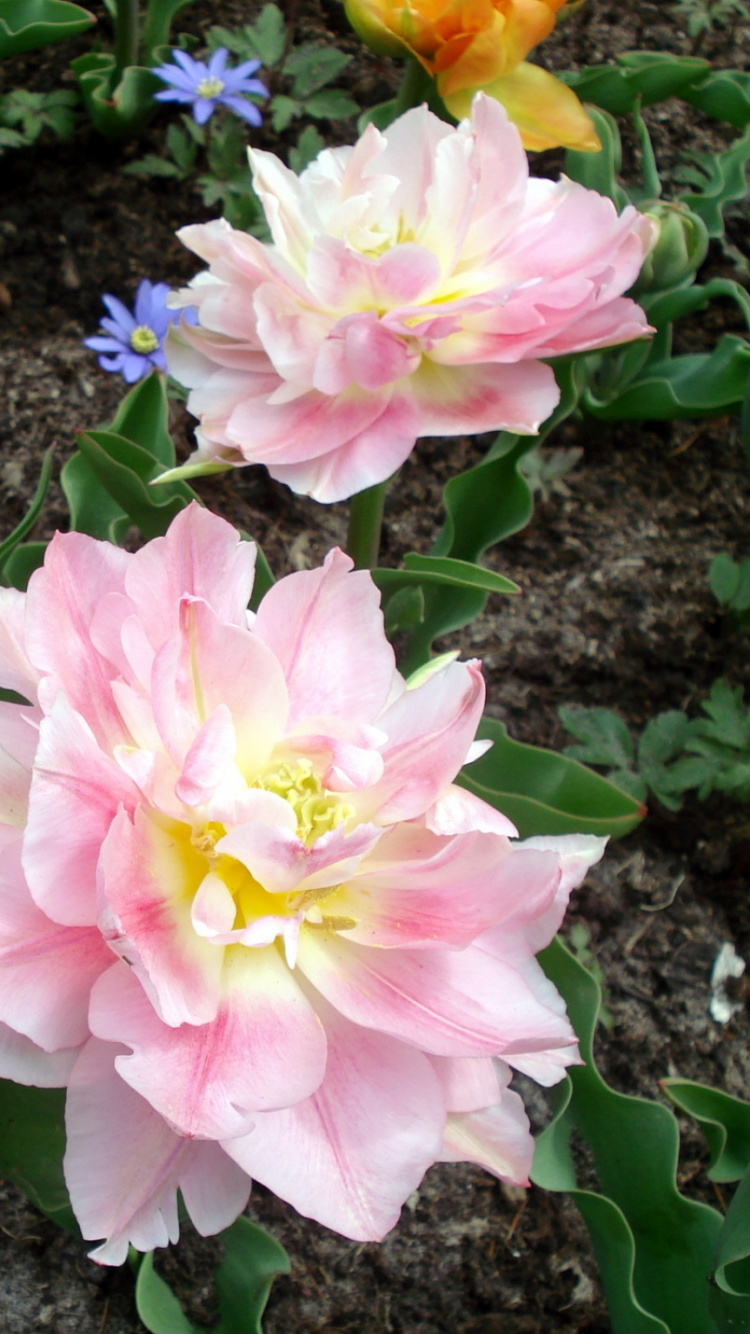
137,339
210,85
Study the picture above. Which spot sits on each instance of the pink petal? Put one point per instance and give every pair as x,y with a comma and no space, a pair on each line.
352,1153
25,1063
266,1048
75,791
149,875
497,1139
326,629
16,671
447,1002
457,811
124,1188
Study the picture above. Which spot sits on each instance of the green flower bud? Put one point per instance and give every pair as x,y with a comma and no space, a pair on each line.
679,251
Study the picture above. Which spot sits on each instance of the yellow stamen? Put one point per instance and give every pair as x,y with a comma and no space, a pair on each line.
143,339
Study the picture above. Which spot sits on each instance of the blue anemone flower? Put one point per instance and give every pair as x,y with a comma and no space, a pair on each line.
210,85
137,340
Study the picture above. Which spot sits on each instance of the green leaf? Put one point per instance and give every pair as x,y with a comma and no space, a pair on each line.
663,738
92,509
20,566
124,469
724,1120
252,1260
14,539
462,573
153,165
32,1144
157,1305
404,609
724,94
546,793
724,578
653,1245
331,104
309,144
118,108
143,417
639,77
268,34
313,66
605,736
599,171
725,182
732,1256
28,24
283,111
157,23
698,385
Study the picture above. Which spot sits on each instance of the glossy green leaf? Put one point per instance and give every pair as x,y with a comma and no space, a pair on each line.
732,1257
663,308
600,171
28,24
698,385
22,563
546,793
725,183
643,77
92,509
124,469
119,103
32,1144
443,572
668,1239
724,1120
143,417
14,539
724,94
252,1260
157,23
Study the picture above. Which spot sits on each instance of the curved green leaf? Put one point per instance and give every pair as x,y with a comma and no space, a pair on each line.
724,1120
22,563
27,24
546,793
639,77
118,107
698,385
14,539
723,94
124,469
599,171
252,1260
32,1145
634,1145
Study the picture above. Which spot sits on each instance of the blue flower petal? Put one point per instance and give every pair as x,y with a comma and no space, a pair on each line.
203,109
241,107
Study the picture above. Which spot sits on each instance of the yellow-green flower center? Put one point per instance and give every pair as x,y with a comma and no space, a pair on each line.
143,339
317,810
210,88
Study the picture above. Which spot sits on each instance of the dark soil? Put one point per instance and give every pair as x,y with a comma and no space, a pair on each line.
615,611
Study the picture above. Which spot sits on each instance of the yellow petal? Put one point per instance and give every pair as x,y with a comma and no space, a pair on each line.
547,113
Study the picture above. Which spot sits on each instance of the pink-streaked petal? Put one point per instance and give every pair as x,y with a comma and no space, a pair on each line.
201,556
429,729
124,1187
16,670
470,1085
25,1063
149,874
75,792
447,1002
352,1153
265,1049
207,666
426,890
281,862
61,603
326,629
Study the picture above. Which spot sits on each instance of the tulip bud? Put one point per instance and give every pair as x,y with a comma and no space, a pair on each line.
679,251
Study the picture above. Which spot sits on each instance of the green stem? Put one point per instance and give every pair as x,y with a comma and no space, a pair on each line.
365,522
416,87
126,34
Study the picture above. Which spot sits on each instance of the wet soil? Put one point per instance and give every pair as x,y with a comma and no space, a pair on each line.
615,611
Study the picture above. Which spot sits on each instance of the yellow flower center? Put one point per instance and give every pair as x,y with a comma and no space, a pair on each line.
317,810
143,339
210,88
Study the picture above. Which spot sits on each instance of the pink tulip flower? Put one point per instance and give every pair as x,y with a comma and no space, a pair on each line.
246,917
414,284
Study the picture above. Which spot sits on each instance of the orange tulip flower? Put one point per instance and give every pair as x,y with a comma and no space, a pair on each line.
467,45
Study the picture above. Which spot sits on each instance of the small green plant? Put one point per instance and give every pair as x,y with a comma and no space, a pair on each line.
579,942
703,15
675,754
24,115
730,585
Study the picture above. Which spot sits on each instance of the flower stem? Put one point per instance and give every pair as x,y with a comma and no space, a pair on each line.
416,87
365,522
126,34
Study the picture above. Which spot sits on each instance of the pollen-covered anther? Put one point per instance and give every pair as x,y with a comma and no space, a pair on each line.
144,340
